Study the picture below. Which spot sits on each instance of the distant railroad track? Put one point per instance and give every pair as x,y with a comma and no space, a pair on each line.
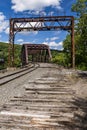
10,77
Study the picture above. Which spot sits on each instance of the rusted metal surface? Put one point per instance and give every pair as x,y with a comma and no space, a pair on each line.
53,23
38,53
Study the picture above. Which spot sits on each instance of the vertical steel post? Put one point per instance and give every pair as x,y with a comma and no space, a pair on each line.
11,44
72,43
26,54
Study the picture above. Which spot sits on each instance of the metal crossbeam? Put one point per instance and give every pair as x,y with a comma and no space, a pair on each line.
52,23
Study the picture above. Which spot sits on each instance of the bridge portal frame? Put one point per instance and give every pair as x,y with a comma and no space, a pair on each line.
40,50
52,23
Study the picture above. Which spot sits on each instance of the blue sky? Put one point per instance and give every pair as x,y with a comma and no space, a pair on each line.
32,8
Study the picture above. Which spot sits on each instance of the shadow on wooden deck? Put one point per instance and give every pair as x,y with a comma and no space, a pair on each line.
79,122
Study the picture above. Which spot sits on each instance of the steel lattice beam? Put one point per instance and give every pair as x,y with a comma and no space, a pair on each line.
52,23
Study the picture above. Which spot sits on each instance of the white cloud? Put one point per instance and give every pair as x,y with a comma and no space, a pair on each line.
55,48
20,41
2,17
3,23
51,39
54,38
37,12
56,33
3,26
33,12
29,32
60,43
53,44
7,30
47,39
50,13
23,5
42,13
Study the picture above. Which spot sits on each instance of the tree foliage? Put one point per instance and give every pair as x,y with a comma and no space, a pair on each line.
80,7
4,53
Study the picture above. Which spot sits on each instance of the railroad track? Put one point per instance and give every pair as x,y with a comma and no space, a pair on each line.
10,77
47,104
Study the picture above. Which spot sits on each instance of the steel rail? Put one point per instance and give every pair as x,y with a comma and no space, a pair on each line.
26,71
16,72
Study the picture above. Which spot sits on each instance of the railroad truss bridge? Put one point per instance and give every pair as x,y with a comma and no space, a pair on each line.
35,53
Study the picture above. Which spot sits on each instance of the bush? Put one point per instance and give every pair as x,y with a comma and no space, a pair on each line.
61,59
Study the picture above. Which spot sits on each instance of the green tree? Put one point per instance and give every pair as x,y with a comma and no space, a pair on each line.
4,54
80,7
67,50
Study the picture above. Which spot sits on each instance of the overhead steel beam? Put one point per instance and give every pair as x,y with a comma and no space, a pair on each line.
53,23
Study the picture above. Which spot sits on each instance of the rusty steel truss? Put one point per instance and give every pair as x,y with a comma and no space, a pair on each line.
53,23
35,53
